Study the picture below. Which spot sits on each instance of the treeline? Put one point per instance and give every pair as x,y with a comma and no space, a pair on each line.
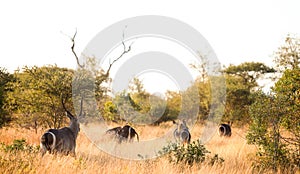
31,97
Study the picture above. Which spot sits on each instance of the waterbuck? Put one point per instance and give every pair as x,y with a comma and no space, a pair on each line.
125,133
114,132
62,141
182,133
224,130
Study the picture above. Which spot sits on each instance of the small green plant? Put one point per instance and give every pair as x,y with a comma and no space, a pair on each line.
19,145
193,153
18,157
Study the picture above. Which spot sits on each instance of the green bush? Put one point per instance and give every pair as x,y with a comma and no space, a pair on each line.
276,151
20,145
192,154
18,157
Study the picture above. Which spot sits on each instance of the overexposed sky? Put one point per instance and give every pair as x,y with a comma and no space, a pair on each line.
34,32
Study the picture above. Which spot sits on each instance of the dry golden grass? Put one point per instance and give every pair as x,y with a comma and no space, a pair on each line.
233,150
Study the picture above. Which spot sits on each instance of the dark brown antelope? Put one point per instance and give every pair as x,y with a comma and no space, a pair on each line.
62,141
123,134
114,132
182,133
224,130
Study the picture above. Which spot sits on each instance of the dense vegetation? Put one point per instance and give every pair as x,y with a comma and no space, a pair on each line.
31,97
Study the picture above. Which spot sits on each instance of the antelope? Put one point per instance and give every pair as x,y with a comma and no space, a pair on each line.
63,140
114,130
125,133
224,130
182,133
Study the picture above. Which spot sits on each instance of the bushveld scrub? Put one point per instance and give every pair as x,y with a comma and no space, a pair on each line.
192,154
89,159
20,154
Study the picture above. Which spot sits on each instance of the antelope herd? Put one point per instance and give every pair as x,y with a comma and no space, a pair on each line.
63,141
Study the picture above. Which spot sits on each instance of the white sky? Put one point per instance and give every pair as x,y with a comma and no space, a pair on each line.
31,32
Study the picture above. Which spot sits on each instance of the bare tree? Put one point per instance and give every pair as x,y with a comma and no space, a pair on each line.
106,74
73,51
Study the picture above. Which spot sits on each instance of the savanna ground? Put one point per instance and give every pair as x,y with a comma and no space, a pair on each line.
234,150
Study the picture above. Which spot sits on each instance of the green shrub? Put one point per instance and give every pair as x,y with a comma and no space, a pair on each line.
275,150
20,145
18,157
193,153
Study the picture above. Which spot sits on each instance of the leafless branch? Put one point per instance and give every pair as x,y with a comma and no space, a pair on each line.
125,51
73,51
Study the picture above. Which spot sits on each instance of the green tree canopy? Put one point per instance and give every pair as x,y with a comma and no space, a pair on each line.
250,72
275,126
35,96
287,91
288,55
5,78
241,80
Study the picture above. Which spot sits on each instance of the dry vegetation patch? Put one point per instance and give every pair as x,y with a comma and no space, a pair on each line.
90,159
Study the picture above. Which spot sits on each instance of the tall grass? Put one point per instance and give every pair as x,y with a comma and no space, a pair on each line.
90,159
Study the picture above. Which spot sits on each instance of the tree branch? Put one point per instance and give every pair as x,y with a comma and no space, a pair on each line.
125,51
73,51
